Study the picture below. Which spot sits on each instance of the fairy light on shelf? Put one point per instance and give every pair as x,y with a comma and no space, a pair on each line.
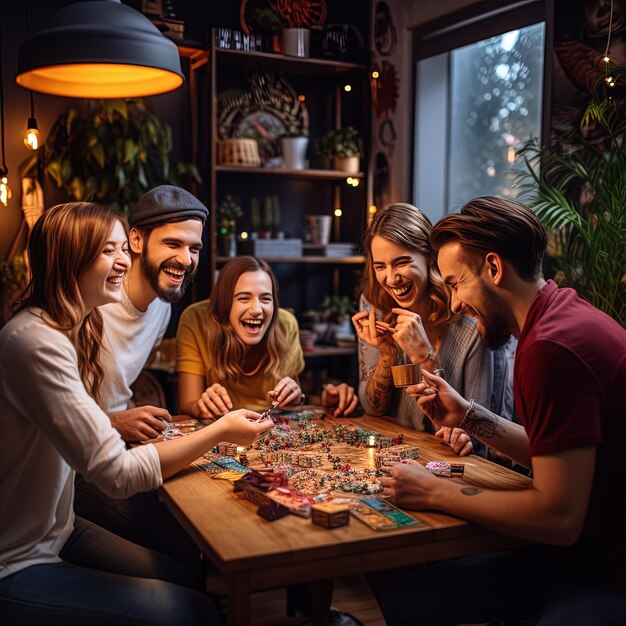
608,79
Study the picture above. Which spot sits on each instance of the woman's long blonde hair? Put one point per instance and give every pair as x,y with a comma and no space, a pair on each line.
407,226
223,342
63,244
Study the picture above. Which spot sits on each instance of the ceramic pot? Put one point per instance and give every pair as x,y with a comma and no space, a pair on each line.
294,152
349,165
296,42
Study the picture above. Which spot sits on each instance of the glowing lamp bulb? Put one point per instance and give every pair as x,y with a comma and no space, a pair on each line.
5,191
375,74
338,213
347,88
244,235
31,138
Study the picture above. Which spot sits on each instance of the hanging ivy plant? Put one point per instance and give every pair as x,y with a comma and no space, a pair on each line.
111,151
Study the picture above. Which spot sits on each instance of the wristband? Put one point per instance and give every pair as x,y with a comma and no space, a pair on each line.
431,356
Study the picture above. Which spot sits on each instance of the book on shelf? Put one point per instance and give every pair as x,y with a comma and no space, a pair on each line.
331,250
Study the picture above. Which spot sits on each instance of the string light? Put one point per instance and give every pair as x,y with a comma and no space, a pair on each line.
244,235
338,213
5,191
31,137
375,74
347,88
610,81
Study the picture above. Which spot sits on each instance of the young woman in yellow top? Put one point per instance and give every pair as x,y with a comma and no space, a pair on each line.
238,348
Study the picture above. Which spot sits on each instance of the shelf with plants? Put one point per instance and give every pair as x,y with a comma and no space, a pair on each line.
310,260
320,174
276,62
301,97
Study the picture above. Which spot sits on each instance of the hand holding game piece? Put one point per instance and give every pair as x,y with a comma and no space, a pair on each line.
243,426
411,335
457,439
339,399
376,333
141,423
441,403
286,392
411,486
214,402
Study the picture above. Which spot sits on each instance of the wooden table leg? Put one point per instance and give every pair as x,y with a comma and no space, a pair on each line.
238,600
322,592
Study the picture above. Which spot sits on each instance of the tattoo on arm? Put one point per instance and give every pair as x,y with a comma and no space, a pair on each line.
470,491
480,423
379,387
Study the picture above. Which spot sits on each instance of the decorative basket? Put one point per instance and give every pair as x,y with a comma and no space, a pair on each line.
238,152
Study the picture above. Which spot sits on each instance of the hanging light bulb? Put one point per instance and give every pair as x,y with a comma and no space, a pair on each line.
31,138
5,190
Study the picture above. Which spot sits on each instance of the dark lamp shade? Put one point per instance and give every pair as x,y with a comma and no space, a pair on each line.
99,49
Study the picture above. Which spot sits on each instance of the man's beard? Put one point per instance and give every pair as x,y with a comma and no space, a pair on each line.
152,271
493,327
494,332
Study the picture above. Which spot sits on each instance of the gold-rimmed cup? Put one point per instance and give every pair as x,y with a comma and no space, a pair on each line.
406,375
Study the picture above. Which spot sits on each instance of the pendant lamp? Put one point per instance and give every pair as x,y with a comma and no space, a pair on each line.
99,49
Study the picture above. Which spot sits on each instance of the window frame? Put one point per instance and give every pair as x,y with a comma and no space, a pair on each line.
469,25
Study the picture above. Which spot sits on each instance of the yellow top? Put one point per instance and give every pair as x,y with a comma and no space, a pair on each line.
246,392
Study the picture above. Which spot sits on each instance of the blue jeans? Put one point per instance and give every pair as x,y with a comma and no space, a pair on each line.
104,580
503,586
142,519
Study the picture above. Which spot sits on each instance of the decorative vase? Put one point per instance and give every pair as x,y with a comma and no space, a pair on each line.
227,245
349,165
294,152
296,42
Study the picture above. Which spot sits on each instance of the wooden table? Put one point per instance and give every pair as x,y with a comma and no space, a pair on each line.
253,554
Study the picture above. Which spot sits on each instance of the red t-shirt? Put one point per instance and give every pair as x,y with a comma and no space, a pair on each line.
570,392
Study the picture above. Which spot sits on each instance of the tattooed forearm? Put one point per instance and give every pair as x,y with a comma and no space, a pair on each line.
380,386
480,423
470,491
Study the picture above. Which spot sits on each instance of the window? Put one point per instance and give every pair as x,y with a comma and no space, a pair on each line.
475,106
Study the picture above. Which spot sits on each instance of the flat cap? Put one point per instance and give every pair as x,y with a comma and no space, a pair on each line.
166,203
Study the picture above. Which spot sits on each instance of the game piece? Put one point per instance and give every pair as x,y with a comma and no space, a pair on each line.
445,469
395,453
390,511
330,514
272,511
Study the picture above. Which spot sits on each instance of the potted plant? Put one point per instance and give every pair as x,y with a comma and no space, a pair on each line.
227,213
331,321
581,199
13,279
344,147
110,151
294,144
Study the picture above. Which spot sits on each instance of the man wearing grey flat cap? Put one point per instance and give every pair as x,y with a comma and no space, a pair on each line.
165,240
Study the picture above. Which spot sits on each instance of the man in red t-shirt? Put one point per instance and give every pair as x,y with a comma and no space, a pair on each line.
569,382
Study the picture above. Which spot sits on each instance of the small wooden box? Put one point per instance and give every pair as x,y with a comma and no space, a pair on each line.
330,515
